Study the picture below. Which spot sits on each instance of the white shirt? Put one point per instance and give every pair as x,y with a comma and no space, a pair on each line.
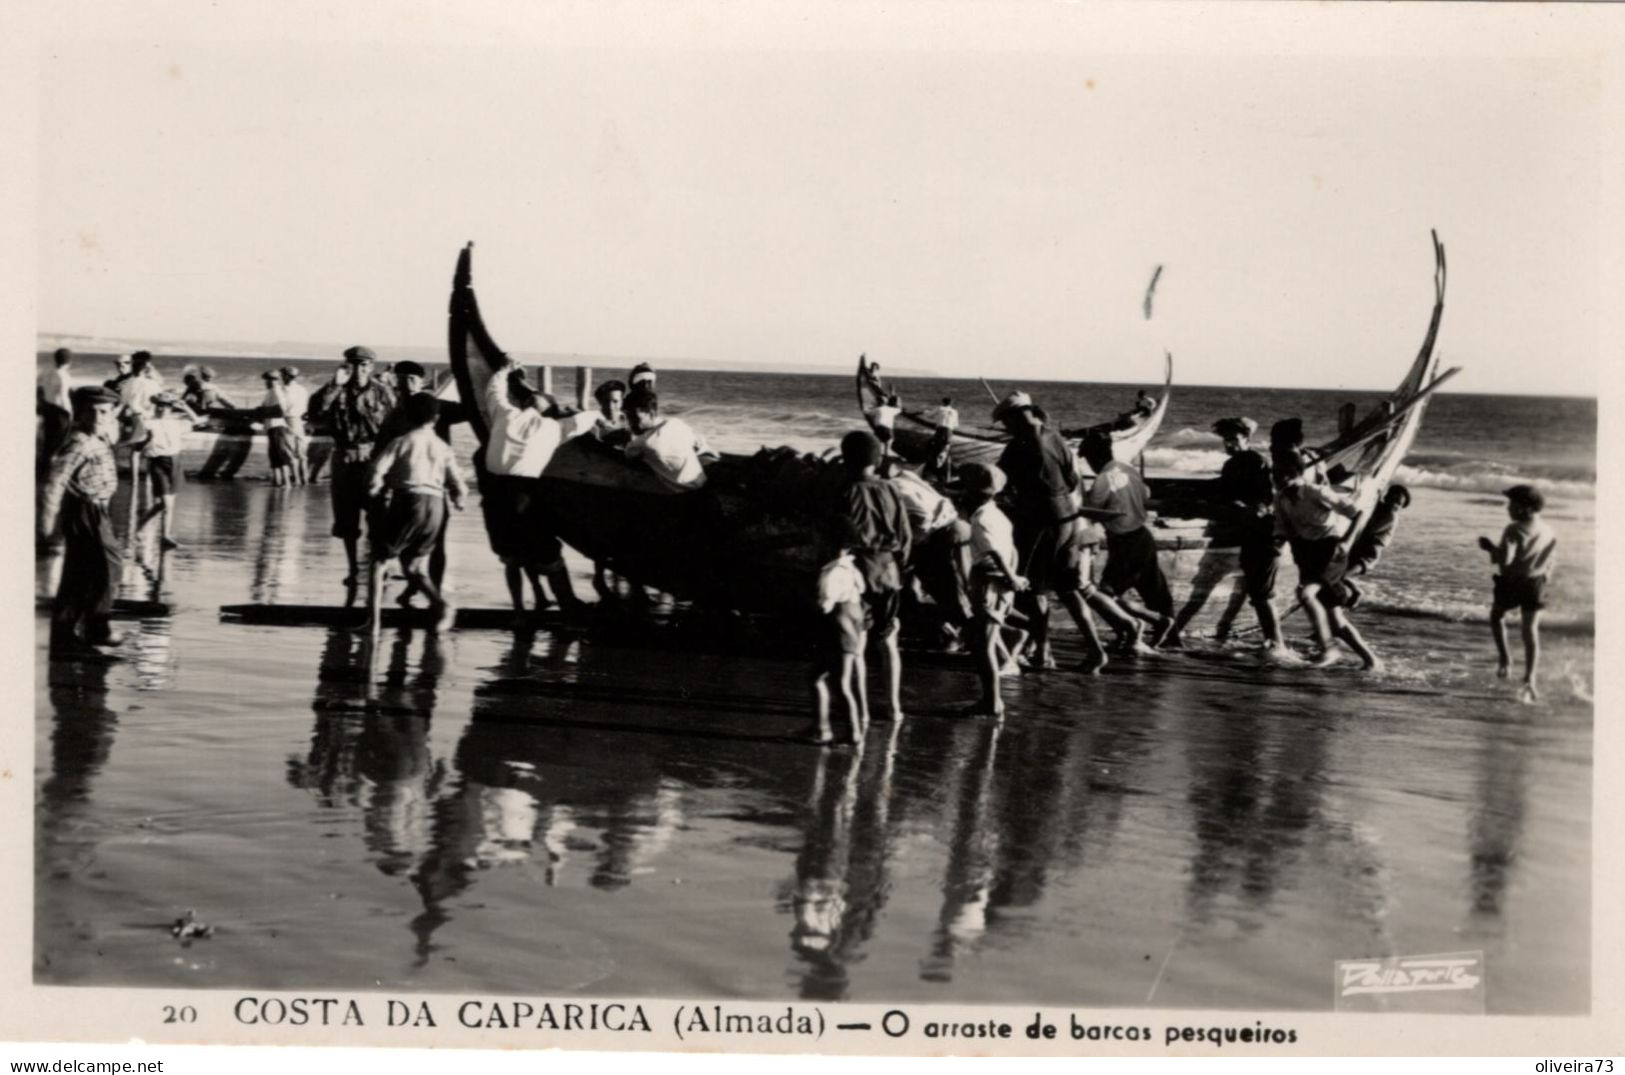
1528,550
991,532
136,392
167,434
56,386
296,403
523,439
672,450
928,510
947,418
886,415
838,582
1118,488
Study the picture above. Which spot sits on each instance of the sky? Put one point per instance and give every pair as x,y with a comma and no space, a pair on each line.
942,186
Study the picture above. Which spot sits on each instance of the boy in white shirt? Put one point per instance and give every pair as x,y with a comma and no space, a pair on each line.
841,642
994,584
172,420
1526,555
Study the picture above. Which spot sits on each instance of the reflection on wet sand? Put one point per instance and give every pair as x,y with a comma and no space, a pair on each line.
973,851
1497,819
1255,795
840,873
82,730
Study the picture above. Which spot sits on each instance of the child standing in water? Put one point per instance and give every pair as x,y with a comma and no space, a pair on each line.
840,650
993,584
1526,555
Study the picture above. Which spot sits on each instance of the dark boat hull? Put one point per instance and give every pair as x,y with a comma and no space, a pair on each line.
750,540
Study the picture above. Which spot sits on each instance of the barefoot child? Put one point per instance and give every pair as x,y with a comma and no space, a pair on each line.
418,470
993,583
1526,555
1315,519
172,420
1368,547
840,650
873,518
1131,551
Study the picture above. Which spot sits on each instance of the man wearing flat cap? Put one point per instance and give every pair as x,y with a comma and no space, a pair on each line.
355,404
1249,502
81,481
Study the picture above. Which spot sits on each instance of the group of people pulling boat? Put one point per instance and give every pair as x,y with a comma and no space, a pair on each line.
973,534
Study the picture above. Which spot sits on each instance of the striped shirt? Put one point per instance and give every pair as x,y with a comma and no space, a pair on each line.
83,466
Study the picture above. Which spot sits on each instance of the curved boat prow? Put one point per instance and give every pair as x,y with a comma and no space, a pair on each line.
1128,444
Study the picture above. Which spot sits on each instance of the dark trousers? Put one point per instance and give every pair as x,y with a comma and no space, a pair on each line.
91,566
54,426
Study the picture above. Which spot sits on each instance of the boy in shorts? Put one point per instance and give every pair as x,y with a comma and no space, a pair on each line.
1526,555
840,650
1315,518
874,524
172,420
420,474
994,583
1131,551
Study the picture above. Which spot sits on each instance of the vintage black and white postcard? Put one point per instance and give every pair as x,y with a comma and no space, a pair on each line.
1040,528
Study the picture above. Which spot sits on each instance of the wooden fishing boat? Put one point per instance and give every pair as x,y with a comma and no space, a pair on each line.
914,431
1196,549
749,540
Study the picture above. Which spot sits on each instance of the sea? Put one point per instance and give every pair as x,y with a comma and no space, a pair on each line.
555,814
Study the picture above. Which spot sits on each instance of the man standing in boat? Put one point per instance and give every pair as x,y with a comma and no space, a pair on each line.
355,405
1051,534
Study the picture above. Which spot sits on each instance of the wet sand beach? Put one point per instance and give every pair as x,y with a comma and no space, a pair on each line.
554,813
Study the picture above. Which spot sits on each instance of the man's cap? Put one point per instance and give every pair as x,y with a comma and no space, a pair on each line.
1287,433
1403,493
62,353
409,369
145,356
91,394
421,407
1527,495
860,448
981,478
359,354
269,375
1015,401
1237,426
290,372
1339,474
